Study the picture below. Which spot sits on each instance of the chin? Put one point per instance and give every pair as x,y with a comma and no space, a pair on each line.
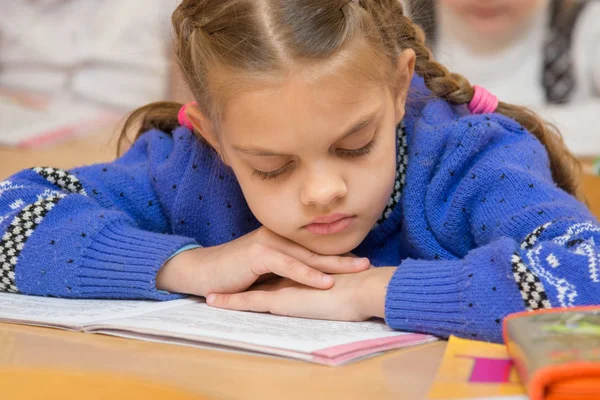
490,29
333,245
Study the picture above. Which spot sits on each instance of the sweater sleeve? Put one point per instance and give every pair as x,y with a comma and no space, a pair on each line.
508,239
100,231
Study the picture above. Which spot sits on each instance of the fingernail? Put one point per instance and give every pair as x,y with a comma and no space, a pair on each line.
327,279
210,298
359,262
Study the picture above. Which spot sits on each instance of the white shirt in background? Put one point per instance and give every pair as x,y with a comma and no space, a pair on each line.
107,52
513,71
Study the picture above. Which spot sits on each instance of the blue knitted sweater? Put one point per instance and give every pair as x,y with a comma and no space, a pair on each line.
480,229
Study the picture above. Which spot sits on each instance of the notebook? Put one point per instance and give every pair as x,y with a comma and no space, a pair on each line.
190,322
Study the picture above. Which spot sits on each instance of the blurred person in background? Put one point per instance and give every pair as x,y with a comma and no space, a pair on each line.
544,54
85,51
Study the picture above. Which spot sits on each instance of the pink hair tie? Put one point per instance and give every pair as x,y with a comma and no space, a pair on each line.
183,118
483,102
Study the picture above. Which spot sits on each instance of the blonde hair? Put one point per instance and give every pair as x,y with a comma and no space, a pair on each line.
225,45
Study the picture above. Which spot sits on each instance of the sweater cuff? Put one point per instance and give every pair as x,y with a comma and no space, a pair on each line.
184,248
427,297
122,262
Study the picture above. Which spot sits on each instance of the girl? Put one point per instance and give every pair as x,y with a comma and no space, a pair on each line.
541,53
321,128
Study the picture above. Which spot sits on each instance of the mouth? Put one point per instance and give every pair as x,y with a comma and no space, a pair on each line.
486,12
330,224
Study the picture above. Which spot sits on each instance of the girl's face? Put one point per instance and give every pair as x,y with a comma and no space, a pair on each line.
321,151
493,17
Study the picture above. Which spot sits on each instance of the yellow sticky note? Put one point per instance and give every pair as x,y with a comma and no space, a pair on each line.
472,369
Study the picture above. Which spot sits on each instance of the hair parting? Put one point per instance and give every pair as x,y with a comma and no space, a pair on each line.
225,46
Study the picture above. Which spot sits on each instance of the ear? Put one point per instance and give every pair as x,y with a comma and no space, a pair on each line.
404,74
204,126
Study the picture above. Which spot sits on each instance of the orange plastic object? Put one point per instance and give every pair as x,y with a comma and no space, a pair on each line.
570,381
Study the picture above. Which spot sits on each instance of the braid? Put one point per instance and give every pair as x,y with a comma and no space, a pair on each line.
424,14
457,89
443,83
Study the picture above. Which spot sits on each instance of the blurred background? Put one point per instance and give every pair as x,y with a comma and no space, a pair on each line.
70,70
543,54
71,67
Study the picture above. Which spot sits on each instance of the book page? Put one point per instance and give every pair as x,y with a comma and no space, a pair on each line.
73,313
203,323
205,346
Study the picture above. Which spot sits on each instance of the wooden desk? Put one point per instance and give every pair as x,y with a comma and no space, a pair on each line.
99,147
401,374
591,185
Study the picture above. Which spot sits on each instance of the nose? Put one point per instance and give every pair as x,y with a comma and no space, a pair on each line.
323,186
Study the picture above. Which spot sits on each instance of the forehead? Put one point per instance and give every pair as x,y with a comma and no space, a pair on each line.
300,109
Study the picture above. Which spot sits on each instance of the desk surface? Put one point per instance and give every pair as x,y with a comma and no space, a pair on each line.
400,374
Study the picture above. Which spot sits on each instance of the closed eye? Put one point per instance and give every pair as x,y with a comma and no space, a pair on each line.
264,175
363,151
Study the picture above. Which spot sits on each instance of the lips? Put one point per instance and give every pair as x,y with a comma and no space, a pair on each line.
330,224
486,12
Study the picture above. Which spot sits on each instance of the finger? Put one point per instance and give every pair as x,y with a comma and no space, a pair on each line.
253,300
348,263
329,264
291,268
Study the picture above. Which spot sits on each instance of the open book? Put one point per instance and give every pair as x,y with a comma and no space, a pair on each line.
191,322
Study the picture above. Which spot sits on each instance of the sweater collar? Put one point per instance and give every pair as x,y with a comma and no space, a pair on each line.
400,180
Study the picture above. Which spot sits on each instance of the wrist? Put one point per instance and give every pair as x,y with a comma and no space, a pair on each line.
373,291
185,273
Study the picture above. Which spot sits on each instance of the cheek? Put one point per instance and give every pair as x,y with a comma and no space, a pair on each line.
272,207
264,198
271,203
525,9
371,184
460,7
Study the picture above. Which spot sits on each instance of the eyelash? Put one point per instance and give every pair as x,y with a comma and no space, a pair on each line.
363,151
263,176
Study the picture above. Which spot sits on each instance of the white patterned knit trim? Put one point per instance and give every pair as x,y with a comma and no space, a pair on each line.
583,247
535,265
531,287
27,220
61,178
400,180
17,234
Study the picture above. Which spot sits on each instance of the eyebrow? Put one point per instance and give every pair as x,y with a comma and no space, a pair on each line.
363,123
